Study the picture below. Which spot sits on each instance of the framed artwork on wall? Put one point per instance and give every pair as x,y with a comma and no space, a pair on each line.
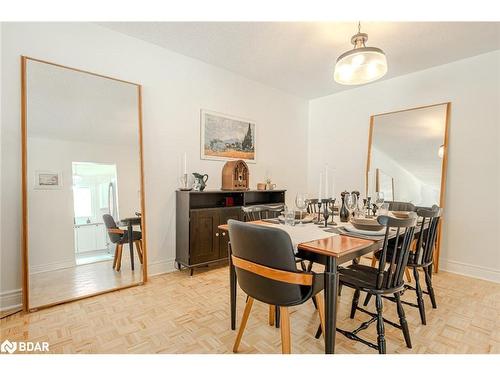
225,137
48,180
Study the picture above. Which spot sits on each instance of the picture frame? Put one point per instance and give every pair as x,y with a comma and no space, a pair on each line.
226,137
48,180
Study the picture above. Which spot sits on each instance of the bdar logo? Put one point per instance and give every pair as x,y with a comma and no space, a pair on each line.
8,347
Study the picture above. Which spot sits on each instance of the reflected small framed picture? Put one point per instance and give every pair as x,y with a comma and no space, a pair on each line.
48,180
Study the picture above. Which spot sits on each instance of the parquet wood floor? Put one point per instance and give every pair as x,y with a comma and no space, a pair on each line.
81,280
176,313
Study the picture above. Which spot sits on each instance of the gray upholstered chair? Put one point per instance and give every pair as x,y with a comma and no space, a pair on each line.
266,271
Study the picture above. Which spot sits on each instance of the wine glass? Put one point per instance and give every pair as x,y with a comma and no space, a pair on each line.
379,199
351,202
301,203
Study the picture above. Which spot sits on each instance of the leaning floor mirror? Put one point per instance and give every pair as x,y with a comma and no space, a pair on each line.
407,157
83,193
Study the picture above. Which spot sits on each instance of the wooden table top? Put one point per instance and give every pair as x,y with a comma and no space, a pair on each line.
336,246
129,220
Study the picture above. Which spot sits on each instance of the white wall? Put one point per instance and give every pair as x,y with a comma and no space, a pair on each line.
338,134
175,88
50,212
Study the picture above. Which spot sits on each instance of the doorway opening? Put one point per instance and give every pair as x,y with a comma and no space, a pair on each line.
95,193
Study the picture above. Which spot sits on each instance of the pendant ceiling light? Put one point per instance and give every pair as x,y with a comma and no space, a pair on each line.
362,64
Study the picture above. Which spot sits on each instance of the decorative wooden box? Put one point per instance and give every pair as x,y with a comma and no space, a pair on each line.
235,176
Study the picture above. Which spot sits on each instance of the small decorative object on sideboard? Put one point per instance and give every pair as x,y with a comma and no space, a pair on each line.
235,176
200,181
344,212
269,185
261,186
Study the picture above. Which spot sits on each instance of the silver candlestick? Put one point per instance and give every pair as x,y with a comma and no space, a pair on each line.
184,182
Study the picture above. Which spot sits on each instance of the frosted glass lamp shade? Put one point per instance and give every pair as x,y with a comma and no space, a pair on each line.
360,65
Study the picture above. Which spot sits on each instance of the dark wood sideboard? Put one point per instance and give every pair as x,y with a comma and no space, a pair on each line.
199,242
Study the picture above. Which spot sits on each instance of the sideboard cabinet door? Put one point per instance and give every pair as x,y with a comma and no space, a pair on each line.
225,215
204,236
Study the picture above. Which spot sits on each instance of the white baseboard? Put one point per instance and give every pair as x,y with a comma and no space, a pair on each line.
52,266
471,270
162,266
11,299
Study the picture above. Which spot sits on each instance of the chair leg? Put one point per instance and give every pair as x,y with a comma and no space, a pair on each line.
303,266
310,266
430,289
321,310
420,298
408,274
119,259
355,301
115,257
374,261
138,245
244,319
315,304
402,320
367,299
286,345
380,325
272,312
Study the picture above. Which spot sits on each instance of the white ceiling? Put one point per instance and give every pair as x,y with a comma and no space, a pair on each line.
299,57
412,139
73,106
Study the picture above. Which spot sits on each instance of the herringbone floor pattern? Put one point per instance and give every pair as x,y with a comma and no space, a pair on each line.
175,313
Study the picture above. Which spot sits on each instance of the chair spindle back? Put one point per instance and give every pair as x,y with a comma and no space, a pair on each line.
391,269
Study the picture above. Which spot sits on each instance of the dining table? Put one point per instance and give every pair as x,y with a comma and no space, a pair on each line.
331,251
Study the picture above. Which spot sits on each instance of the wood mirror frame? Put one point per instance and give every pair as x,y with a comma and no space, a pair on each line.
24,186
444,164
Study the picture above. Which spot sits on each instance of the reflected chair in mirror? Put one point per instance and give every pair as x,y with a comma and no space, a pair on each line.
264,261
119,237
262,211
386,279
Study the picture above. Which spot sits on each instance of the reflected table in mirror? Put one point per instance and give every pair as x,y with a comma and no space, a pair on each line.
129,222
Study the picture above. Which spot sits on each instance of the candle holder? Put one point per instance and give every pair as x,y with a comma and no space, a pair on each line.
319,211
184,183
326,213
332,204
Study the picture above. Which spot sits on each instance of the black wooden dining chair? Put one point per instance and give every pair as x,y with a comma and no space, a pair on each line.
423,258
395,206
386,279
262,211
264,262
119,237
401,206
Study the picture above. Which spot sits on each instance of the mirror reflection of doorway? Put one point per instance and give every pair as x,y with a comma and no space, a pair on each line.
94,194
